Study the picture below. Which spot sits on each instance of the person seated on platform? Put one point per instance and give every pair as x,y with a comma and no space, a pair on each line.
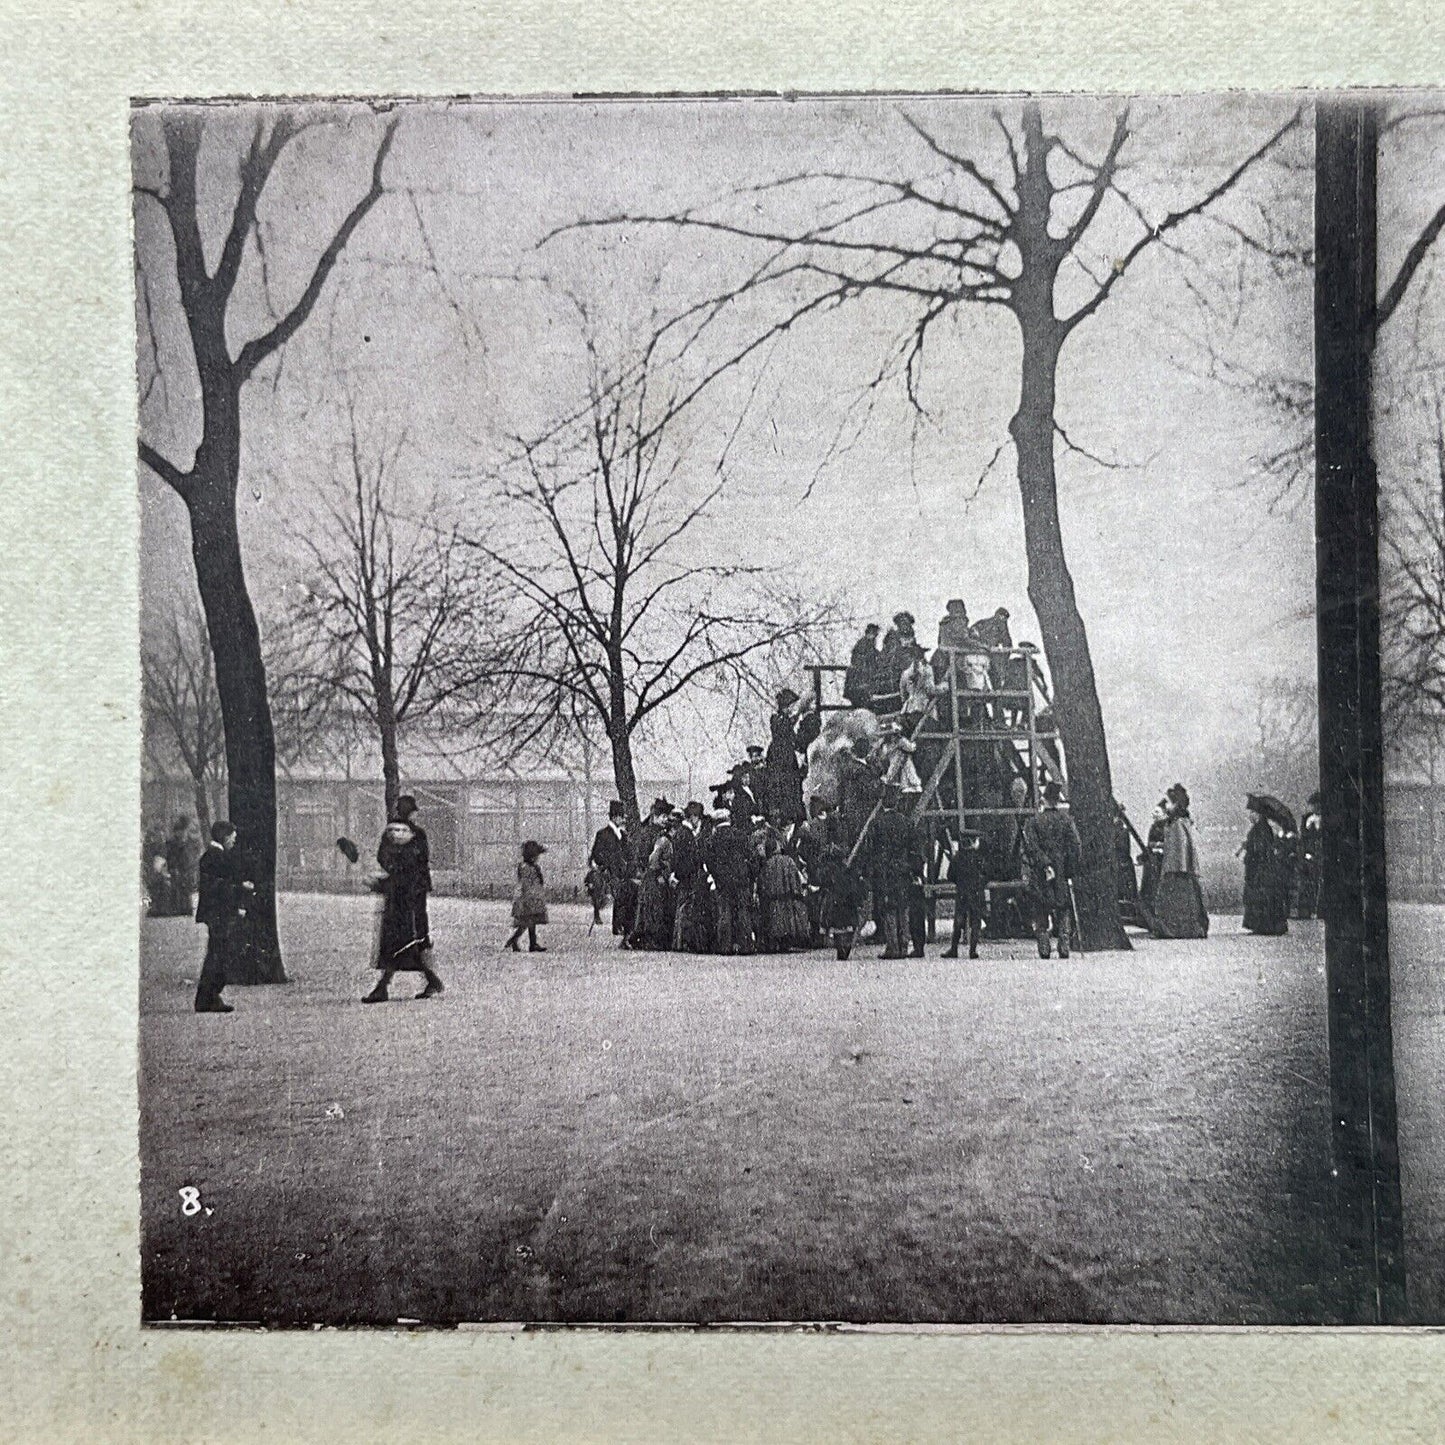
916,688
862,669
953,631
994,633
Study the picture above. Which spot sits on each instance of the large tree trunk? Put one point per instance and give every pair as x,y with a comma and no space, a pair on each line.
202,795
390,761
1066,645
241,685
624,774
1051,586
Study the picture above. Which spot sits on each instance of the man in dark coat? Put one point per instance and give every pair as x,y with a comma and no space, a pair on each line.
1052,853
967,873
897,862
608,861
221,901
994,633
692,922
728,855
862,668
859,788
892,659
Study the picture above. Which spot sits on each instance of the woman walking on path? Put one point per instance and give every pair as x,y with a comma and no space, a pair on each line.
1179,902
404,944
529,905
1266,885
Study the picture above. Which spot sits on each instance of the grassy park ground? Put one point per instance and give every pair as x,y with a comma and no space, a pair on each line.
590,1134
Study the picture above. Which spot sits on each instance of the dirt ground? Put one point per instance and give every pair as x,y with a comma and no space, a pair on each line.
1417,975
590,1134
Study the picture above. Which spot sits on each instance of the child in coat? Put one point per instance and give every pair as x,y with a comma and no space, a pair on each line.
529,905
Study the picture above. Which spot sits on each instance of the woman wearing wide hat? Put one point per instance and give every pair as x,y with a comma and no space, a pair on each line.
404,944
529,904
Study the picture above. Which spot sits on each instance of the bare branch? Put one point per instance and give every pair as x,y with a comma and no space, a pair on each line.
255,351
1172,221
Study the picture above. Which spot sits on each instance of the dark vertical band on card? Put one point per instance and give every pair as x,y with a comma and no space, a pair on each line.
1362,1084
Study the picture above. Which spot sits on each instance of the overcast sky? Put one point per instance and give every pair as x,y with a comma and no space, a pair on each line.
1194,578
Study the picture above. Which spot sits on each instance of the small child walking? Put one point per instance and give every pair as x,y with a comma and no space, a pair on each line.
529,904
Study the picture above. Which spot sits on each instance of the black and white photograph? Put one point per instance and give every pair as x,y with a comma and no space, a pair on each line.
754,710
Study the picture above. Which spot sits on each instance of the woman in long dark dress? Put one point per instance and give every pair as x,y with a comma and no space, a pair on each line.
654,898
404,944
1179,910
789,735
1266,895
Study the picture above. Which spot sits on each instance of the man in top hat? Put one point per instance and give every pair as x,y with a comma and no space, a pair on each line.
607,863
1052,852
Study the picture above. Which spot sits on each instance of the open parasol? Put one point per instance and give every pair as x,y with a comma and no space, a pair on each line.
1272,809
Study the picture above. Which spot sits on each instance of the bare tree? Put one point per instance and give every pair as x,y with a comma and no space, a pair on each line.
208,485
624,601
1009,225
182,708
403,619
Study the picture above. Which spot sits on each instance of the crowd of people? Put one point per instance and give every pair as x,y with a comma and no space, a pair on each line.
762,870
731,880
